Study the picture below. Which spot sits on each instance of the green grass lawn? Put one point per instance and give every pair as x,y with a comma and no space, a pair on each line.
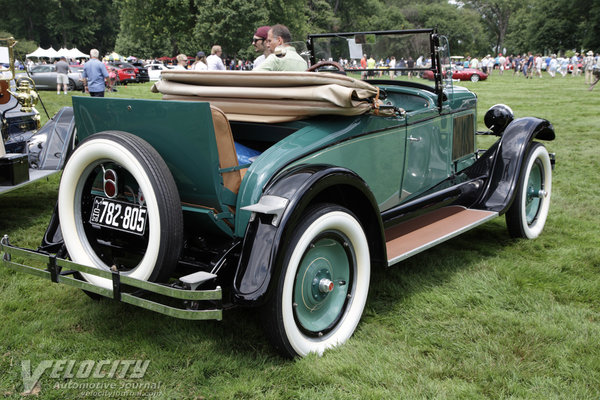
481,316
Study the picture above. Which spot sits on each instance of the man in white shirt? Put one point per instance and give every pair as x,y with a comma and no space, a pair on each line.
214,61
283,56
258,41
501,62
392,65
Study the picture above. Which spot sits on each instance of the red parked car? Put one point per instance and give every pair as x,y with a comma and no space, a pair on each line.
465,74
125,72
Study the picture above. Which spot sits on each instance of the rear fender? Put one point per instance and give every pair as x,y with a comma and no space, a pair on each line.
296,190
508,161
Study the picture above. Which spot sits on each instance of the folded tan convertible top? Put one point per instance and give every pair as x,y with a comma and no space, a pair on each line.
265,96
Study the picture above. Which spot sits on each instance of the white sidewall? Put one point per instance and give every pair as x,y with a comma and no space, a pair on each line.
87,156
345,223
534,230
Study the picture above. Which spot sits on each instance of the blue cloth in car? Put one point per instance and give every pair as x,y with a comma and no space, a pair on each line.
245,155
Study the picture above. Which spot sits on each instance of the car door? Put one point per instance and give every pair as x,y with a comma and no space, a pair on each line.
428,159
428,151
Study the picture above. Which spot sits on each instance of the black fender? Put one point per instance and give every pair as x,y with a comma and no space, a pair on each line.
507,162
261,258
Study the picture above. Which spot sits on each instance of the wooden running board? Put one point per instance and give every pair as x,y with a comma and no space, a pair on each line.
421,233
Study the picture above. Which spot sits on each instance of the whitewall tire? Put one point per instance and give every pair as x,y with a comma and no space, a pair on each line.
144,177
527,215
324,283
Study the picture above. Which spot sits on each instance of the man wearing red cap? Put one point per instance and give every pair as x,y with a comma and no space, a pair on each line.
258,41
283,56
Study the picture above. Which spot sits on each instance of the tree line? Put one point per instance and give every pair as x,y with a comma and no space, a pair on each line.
154,28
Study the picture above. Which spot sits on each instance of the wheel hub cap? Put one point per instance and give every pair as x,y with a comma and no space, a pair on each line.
325,285
320,290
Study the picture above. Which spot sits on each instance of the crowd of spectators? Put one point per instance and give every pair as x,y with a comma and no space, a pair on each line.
528,65
531,65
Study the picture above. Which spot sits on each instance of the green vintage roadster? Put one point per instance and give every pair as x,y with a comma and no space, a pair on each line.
284,190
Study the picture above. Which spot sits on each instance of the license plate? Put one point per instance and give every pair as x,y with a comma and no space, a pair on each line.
119,215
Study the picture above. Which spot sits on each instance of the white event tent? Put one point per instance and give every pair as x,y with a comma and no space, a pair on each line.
39,52
51,53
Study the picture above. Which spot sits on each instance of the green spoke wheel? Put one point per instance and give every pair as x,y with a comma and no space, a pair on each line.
527,215
323,285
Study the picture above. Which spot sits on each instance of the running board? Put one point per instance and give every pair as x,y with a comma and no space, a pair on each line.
421,233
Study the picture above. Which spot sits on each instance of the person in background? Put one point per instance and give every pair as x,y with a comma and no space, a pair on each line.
94,75
259,42
485,63
575,64
501,63
283,56
200,63
539,61
363,65
474,63
112,78
588,67
410,64
214,62
181,62
62,74
392,65
370,66
528,66
564,66
553,66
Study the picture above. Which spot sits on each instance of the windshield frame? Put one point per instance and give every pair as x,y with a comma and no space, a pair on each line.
434,49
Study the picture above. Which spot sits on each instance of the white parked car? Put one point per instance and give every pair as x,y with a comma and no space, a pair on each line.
154,70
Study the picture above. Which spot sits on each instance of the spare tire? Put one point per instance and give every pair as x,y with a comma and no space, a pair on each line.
119,207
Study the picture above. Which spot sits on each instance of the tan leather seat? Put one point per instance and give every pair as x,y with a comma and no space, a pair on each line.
226,148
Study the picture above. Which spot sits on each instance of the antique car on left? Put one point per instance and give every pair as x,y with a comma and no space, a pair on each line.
282,191
28,152
44,77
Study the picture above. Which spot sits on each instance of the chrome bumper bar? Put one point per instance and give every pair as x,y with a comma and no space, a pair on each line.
125,289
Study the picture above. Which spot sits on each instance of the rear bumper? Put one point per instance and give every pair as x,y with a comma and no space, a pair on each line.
166,299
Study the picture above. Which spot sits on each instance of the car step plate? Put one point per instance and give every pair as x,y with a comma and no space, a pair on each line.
421,233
